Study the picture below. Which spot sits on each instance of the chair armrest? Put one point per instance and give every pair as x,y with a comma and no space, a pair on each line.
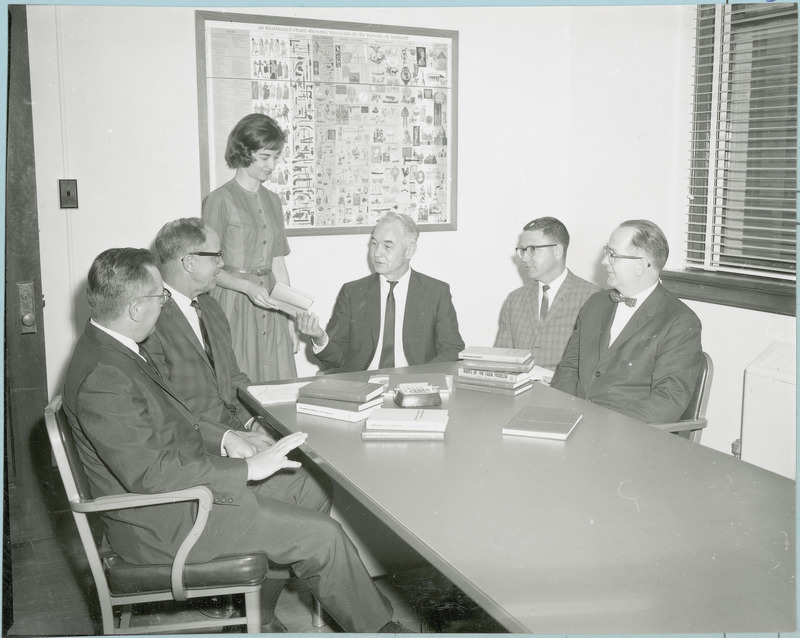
199,493
682,426
128,501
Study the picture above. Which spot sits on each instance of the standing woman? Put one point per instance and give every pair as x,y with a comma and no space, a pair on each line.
249,221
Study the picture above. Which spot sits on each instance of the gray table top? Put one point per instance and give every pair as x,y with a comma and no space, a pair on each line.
622,528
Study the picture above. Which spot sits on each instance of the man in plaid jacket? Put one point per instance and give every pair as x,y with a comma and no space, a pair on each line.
541,315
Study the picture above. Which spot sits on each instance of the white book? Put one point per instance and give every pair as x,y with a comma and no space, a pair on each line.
401,435
333,413
270,394
289,299
408,419
488,353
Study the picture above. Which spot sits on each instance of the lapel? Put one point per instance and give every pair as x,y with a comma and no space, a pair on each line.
609,310
202,299
532,306
414,295
373,309
106,341
172,313
563,293
642,315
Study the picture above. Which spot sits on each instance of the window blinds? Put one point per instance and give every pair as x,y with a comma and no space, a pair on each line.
743,176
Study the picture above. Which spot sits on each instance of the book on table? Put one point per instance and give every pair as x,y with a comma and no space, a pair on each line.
543,422
493,377
494,389
341,389
290,300
407,419
400,435
335,413
500,366
488,353
349,406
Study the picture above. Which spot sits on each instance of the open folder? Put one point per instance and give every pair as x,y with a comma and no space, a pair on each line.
290,300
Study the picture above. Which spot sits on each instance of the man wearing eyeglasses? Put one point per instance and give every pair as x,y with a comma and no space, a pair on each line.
135,434
191,344
636,348
540,316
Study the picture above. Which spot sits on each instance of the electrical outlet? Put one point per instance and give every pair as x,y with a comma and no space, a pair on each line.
68,192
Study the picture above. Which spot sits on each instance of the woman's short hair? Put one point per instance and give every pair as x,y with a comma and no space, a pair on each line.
179,237
650,239
117,276
252,133
551,228
410,229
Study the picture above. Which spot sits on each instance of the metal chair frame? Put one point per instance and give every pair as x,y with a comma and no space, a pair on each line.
693,420
60,435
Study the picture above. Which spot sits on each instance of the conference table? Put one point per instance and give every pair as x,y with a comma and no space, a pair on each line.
622,528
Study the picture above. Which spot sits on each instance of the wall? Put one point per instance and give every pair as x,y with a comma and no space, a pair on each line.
581,113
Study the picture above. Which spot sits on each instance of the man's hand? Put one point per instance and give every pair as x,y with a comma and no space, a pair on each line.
308,324
259,428
273,459
242,445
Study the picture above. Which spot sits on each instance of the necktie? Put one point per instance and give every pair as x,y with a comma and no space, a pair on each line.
545,303
387,350
146,356
204,332
617,297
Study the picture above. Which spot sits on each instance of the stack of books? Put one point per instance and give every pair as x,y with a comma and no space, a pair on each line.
498,370
339,399
405,424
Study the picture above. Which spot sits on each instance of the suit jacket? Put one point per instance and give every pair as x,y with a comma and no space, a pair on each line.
520,326
651,369
134,434
181,358
430,327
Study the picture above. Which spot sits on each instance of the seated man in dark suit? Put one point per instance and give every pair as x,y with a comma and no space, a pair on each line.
136,434
417,310
541,315
191,347
636,349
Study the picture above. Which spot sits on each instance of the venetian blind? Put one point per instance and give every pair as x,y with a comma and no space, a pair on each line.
743,176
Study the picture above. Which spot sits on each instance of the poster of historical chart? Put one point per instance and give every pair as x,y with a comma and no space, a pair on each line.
368,111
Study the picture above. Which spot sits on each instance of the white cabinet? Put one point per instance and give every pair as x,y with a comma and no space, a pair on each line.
768,436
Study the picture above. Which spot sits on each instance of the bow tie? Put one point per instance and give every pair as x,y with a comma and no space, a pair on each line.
616,297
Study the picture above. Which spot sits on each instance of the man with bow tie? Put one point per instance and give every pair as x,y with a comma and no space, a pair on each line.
636,348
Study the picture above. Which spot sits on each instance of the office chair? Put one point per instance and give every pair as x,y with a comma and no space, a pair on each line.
693,420
122,584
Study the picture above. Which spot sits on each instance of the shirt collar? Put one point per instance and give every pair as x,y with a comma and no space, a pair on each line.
125,341
641,296
402,280
555,284
183,302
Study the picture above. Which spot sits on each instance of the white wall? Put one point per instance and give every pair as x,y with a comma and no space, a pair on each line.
581,113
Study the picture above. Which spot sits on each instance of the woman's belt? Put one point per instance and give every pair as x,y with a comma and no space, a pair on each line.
249,271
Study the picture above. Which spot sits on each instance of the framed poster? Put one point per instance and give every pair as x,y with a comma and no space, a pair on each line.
369,113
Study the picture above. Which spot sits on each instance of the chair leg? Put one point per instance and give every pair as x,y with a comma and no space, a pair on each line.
317,613
124,618
252,609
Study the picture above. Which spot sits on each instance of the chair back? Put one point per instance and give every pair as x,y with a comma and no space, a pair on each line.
69,463
699,401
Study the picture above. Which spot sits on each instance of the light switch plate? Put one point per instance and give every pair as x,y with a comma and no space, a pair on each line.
68,193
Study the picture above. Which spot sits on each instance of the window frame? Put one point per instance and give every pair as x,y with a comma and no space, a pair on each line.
750,291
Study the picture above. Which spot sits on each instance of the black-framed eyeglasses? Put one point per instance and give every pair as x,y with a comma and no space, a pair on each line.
164,296
201,253
523,251
612,256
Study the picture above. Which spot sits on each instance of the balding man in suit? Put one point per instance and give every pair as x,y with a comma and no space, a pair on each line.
541,315
393,318
636,348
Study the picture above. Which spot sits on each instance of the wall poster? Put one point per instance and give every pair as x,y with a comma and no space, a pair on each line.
369,111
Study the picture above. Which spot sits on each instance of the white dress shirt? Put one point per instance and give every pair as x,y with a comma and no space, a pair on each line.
624,312
400,296
552,291
185,304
